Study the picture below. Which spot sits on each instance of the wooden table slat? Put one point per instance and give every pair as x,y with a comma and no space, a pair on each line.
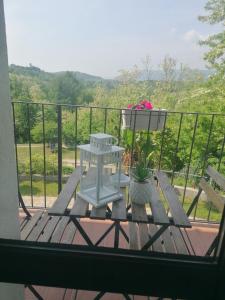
58,232
79,208
157,245
168,242
49,229
34,235
178,214
98,213
119,208
179,241
66,194
158,210
30,225
133,236
143,234
138,212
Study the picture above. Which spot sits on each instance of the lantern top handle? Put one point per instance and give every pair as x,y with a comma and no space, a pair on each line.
101,136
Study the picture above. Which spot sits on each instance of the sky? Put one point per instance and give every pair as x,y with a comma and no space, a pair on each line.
101,37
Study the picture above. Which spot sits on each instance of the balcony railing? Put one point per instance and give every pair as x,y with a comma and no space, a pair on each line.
47,136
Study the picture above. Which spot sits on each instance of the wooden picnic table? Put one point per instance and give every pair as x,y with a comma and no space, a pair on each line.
155,225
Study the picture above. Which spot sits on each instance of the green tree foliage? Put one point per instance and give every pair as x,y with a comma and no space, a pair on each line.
65,88
216,43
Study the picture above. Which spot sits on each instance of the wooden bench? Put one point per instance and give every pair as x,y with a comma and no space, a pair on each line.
43,227
208,186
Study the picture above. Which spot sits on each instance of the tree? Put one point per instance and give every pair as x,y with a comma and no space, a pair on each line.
216,43
169,68
66,88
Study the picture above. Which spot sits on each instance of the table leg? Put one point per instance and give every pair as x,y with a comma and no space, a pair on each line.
105,234
82,232
155,237
117,232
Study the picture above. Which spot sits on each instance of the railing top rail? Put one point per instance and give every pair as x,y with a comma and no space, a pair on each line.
115,108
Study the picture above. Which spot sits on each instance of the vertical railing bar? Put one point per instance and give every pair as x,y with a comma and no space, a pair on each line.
90,121
44,151
207,145
59,121
149,123
205,159
162,141
133,136
105,121
30,156
16,150
221,154
75,148
148,130
210,208
190,157
177,144
119,129
196,207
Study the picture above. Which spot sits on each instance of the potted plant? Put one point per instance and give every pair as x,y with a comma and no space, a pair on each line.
140,187
143,116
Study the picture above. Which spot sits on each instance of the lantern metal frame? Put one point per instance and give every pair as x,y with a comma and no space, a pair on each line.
98,186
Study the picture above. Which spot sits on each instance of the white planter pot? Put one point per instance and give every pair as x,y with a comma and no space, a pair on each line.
143,119
140,192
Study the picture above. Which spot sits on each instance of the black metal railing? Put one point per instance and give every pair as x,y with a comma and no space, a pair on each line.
47,135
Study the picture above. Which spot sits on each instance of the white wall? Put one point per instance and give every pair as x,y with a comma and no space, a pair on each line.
9,220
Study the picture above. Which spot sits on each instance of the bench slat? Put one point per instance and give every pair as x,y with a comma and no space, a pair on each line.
30,225
49,229
216,176
34,235
158,210
212,195
179,216
61,203
58,232
69,233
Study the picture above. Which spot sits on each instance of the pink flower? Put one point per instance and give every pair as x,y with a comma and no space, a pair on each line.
139,107
130,105
148,105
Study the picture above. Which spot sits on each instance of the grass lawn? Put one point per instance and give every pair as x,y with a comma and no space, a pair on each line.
23,152
38,188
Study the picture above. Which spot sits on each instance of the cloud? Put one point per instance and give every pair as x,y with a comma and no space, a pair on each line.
192,36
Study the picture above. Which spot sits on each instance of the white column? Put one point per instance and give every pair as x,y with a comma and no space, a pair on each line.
9,218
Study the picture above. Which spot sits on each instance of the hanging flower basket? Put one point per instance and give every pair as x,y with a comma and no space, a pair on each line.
143,117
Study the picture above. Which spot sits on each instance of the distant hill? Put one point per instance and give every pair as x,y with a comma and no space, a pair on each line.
37,72
155,74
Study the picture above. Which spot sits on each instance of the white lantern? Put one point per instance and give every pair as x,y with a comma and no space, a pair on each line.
99,160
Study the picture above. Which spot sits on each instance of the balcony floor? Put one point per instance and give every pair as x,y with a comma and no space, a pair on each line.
201,236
